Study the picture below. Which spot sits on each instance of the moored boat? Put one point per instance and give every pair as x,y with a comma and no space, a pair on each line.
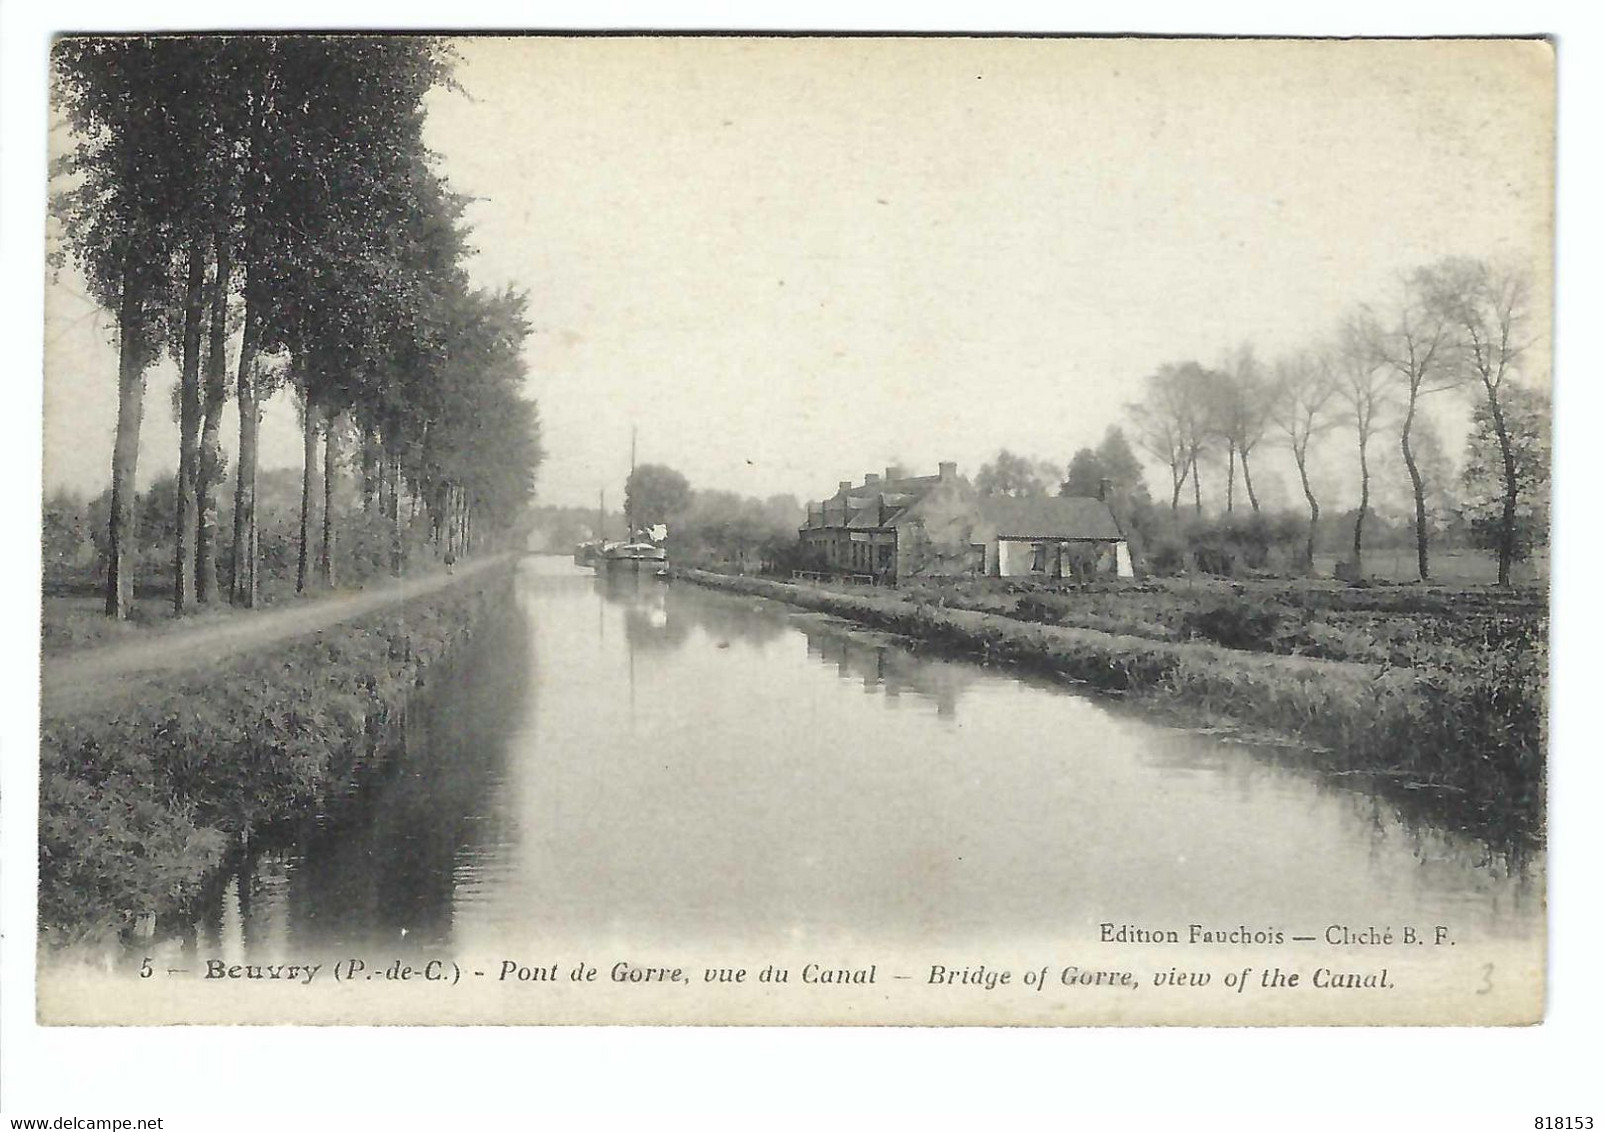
636,557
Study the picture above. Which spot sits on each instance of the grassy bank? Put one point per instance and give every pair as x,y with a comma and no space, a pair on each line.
1465,737
140,804
1403,626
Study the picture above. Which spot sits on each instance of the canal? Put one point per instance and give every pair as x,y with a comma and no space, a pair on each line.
659,767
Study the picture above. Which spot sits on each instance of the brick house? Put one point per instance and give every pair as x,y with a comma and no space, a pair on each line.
900,526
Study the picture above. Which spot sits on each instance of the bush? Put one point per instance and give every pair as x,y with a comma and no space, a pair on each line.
1167,557
1235,624
1212,556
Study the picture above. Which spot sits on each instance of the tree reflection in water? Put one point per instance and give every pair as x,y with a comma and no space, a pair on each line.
885,664
814,805
380,864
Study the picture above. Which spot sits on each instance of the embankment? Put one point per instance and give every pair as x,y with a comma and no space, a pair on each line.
1466,743
140,803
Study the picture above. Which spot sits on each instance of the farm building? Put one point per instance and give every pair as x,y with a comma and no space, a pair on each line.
899,526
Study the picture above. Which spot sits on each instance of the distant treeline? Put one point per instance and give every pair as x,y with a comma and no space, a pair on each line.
720,529
77,554
556,529
262,209
1457,327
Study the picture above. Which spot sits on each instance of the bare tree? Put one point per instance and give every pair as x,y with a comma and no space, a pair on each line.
1169,424
1239,413
1419,350
1488,307
1363,385
1306,387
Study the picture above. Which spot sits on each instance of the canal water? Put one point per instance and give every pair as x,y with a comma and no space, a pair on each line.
660,772
666,764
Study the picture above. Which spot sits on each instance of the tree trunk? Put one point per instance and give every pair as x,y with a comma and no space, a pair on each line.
189,431
308,491
125,450
1418,486
1230,477
1301,455
1177,481
325,561
370,471
1364,506
242,589
397,543
1247,483
1197,488
1506,532
209,474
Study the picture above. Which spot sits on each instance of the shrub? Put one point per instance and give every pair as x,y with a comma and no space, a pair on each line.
1212,556
1167,557
1235,624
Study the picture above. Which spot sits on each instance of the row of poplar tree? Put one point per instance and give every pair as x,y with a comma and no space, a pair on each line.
276,192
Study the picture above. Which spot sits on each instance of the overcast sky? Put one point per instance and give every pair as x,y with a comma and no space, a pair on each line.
791,261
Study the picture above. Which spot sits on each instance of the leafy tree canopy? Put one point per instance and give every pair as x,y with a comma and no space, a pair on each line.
1528,424
653,493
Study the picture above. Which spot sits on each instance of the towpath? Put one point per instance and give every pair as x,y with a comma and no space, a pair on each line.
88,678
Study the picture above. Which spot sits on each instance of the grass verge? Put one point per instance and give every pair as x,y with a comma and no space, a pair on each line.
138,805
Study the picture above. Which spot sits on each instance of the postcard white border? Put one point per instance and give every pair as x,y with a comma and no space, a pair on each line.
1494,1076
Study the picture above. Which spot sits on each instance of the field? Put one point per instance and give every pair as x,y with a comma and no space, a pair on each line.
1448,567
1410,626
73,606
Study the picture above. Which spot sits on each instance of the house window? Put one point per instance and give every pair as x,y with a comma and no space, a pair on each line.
978,557
1038,558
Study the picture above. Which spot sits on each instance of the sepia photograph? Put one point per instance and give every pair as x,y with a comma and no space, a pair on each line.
775,530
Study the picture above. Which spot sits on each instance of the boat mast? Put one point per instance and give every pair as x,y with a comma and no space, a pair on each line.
629,514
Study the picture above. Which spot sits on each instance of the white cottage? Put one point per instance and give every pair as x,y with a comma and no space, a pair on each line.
1051,538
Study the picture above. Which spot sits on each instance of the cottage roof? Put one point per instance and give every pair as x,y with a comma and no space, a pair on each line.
1049,517
910,486
873,517
862,505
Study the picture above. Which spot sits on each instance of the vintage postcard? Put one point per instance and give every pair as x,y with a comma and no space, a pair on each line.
772,530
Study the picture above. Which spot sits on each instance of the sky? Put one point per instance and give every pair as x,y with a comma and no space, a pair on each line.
786,262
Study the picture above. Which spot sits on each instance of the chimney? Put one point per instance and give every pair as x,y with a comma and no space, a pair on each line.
871,479
843,486
893,472
1103,488
949,469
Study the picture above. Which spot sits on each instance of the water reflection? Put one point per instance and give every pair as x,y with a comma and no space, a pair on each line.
659,763
883,664
890,665
381,865
644,602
